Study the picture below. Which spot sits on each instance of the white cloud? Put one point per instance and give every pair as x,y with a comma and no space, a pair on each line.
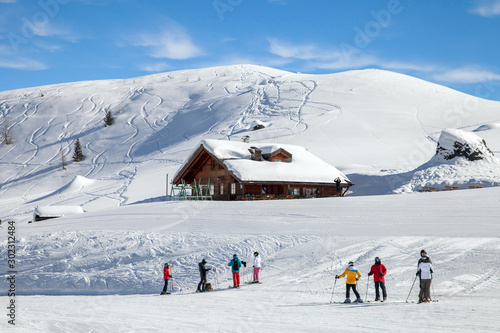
173,43
300,51
22,63
466,75
50,30
336,59
486,8
314,57
155,68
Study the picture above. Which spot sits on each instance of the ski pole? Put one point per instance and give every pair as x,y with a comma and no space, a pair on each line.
433,293
333,291
367,286
171,278
411,288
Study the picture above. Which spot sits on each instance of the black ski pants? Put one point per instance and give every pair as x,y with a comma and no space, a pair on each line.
348,288
203,282
380,285
165,287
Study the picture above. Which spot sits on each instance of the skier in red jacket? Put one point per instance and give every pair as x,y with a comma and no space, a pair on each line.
166,276
378,271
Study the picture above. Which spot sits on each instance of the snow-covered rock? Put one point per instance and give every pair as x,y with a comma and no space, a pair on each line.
455,143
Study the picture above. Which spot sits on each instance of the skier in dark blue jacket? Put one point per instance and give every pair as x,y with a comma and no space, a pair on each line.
203,276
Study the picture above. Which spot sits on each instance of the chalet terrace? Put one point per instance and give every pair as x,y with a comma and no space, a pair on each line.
241,170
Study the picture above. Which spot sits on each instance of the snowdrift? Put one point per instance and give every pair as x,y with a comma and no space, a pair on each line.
462,161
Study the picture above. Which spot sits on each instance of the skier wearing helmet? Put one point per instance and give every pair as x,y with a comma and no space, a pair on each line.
166,276
379,271
353,276
203,276
235,264
256,267
425,270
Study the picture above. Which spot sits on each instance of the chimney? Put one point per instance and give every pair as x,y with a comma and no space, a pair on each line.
256,153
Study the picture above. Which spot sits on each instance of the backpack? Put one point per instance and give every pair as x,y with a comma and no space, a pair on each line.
236,266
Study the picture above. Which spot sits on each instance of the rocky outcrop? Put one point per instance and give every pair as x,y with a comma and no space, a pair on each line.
454,143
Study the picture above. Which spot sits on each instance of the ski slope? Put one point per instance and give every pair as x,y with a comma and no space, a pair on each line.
377,127
111,265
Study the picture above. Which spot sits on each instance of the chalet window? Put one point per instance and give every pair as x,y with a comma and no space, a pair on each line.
221,189
212,189
264,189
308,191
214,165
233,188
277,160
296,191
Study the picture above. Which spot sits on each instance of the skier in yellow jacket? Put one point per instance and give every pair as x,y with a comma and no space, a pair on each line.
353,275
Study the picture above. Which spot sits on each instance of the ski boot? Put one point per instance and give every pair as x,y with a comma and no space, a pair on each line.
385,299
377,299
347,300
358,300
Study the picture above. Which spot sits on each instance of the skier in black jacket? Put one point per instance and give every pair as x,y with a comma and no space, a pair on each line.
203,276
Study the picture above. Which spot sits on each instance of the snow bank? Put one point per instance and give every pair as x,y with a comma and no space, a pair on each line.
462,161
47,212
487,127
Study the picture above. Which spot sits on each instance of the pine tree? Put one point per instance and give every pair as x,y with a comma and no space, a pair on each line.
78,153
108,120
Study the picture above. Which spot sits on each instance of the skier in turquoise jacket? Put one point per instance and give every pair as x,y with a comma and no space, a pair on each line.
235,264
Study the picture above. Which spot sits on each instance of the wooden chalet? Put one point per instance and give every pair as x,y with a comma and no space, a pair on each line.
242,171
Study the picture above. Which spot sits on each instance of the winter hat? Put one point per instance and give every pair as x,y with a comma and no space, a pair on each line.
351,263
377,259
203,261
166,264
256,253
235,256
423,252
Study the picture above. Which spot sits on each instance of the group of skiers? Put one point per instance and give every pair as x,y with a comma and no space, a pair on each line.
235,265
352,274
378,270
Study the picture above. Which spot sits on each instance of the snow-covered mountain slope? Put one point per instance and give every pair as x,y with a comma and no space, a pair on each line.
371,124
360,121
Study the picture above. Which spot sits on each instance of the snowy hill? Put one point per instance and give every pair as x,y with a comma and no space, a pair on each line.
363,122
379,128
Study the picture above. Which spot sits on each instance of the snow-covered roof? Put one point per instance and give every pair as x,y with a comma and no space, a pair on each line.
57,211
305,167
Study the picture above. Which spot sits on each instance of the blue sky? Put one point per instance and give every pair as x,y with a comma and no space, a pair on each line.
450,42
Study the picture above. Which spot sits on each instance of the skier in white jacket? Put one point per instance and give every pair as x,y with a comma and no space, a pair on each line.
425,270
256,267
